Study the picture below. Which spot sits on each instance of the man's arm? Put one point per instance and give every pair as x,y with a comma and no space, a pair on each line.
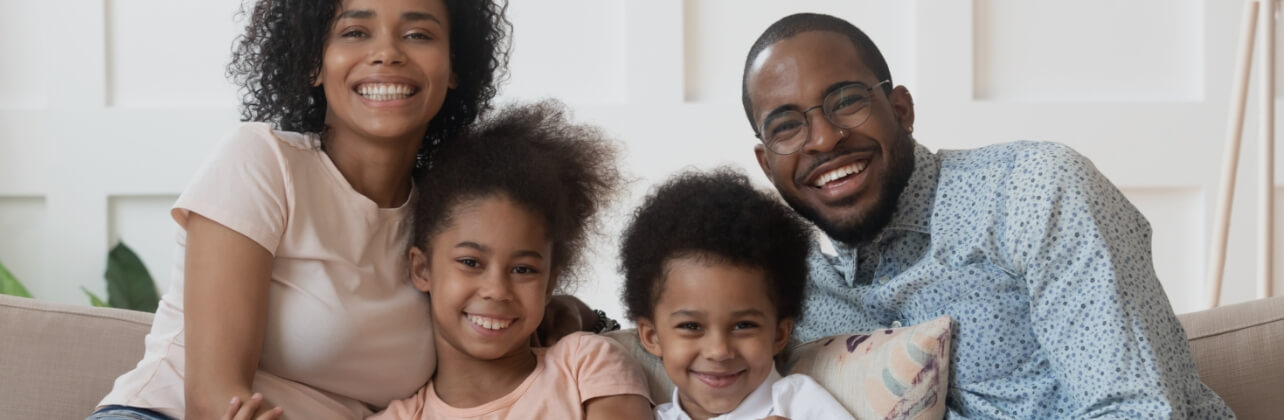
1097,308
563,315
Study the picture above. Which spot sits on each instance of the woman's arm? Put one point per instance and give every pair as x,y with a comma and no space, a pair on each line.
623,407
237,411
225,302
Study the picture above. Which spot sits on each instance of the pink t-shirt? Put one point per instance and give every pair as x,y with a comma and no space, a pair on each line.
580,367
347,332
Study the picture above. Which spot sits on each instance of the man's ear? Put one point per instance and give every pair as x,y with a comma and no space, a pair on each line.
784,328
760,152
419,269
903,107
649,337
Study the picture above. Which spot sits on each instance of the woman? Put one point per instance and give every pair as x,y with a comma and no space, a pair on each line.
294,280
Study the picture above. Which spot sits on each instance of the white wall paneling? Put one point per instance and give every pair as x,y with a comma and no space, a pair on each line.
136,221
22,250
107,107
22,82
570,49
175,61
720,32
1031,51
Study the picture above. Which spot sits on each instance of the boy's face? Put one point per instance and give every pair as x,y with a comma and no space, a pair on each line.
716,331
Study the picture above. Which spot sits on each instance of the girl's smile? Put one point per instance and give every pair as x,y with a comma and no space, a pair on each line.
488,277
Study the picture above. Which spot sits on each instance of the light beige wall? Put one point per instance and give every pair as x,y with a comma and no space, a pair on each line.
108,106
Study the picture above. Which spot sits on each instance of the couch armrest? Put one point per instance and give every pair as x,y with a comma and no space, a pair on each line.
1239,351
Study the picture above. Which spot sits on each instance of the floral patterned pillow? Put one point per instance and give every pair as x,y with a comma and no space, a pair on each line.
898,373
894,374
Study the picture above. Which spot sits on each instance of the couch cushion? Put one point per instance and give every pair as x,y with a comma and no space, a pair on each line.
899,373
60,360
894,373
1239,351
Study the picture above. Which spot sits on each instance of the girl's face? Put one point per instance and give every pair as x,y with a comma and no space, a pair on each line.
488,276
386,67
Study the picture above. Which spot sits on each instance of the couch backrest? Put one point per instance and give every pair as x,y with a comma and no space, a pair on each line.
57,361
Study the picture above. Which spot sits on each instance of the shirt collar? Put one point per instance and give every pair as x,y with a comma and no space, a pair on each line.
757,405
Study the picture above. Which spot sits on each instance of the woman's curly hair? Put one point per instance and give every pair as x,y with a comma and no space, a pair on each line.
717,217
531,154
279,56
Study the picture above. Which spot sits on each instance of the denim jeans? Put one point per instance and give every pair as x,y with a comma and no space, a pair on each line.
120,412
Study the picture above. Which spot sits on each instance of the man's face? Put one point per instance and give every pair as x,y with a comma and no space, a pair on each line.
846,181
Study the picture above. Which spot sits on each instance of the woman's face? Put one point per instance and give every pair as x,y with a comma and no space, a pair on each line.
386,67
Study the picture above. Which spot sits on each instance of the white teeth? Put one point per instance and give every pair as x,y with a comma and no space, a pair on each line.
385,91
854,168
489,323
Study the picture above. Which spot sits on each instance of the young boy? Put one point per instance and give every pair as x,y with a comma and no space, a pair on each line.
714,277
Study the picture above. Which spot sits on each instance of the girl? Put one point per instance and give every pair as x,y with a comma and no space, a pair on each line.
498,228
293,277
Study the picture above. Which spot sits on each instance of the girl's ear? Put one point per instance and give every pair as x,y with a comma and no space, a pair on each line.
419,269
552,282
649,337
454,80
783,328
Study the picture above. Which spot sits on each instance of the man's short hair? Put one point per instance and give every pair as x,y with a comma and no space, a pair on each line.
809,22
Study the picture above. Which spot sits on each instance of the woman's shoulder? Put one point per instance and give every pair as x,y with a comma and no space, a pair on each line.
263,135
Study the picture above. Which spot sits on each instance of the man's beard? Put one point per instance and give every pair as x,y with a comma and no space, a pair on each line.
864,227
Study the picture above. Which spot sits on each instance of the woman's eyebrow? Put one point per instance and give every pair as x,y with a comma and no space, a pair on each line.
357,14
418,16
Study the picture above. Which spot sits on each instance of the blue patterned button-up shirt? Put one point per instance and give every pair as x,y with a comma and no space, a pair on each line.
1046,270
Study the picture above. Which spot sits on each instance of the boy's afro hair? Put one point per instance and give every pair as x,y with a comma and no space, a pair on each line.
716,216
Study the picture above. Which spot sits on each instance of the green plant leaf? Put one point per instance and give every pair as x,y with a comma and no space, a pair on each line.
94,299
129,286
9,285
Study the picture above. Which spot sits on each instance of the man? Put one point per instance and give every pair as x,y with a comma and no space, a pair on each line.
1042,263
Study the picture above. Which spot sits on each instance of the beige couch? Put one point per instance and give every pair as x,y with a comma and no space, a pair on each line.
57,360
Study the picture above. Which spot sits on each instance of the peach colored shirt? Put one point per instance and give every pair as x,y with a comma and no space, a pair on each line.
580,367
346,331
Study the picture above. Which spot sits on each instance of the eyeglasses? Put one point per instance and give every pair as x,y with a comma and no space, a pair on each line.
847,107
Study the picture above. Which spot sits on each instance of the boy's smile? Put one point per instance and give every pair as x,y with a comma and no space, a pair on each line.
717,332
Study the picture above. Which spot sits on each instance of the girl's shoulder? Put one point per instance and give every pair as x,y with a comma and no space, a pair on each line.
595,365
587,351
581,342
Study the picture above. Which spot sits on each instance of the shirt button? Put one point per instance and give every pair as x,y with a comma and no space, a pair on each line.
883,280
896,324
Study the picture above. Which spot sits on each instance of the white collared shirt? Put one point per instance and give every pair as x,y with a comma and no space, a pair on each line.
795,396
